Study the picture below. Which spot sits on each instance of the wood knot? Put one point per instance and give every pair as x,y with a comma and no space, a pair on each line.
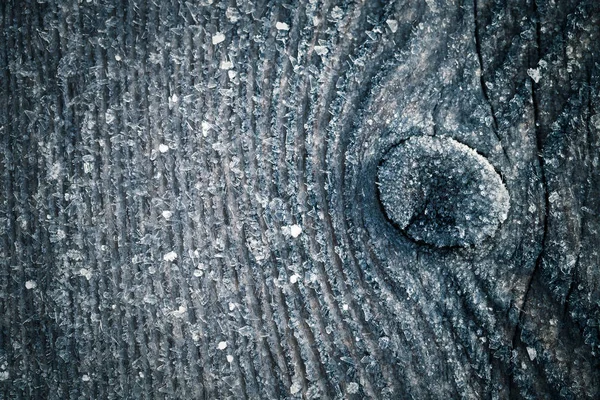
441,192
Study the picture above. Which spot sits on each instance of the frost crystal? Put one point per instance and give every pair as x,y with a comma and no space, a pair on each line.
295,230
295,388
534,74
163,148
218,38
222,345
85,273
198,273
352,388
392,24
226,65
282,26
110,116
30,285
321,50
170,256
232,14
180,312
205,128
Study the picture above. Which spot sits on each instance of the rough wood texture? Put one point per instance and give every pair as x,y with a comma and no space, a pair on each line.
190,209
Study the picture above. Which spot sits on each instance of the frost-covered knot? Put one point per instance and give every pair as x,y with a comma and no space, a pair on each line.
441,192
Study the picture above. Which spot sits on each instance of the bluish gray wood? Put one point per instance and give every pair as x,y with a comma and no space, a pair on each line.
190,205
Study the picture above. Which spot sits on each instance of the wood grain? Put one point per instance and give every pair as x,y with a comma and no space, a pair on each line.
190,206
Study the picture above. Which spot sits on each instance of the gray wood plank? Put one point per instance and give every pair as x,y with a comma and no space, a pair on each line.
299,199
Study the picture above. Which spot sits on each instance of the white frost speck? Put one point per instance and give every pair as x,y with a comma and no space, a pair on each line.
60,234
321,50
150,299
163,148
532,353
195,336
4,375
118,57
170,256
294,278
167,214
231,73
110,116
336,13
180,311
222,345
345,307
232,14
226,65
30,285
85,273
282,26
296,387
534,74
198,273
85,378
88,167
352,388
295,230
229,358
206,128
218,38
393,24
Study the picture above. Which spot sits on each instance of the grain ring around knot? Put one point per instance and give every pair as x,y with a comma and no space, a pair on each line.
441,192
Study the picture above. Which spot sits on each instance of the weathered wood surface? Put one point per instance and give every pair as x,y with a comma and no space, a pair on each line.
158,158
